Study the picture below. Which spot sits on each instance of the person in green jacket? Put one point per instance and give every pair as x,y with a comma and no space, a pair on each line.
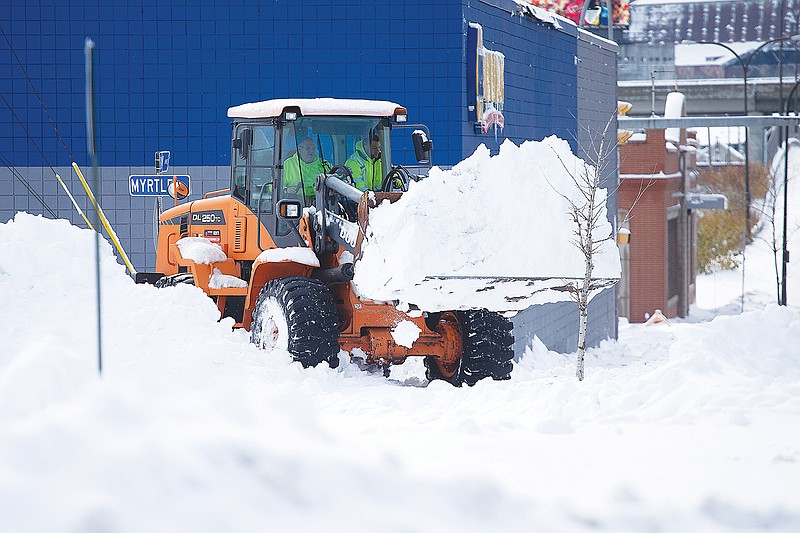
366,167
300,170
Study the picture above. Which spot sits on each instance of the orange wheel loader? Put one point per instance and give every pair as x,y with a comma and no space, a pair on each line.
289,229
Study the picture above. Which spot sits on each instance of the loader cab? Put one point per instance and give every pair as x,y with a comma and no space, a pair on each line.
271,161
333,136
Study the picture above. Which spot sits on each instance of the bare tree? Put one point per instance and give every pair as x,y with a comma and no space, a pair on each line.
769,213
587,210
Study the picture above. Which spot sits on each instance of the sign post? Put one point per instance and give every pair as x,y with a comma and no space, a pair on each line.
159,184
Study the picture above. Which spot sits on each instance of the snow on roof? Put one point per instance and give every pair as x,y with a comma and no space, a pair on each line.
664,2
724,135
658,176
543,15
673,108
707,54
315,106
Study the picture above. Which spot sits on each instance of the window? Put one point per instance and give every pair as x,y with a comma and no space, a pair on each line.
315,144
253,166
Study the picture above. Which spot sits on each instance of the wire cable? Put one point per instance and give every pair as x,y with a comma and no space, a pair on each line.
21,66
27,185
27,133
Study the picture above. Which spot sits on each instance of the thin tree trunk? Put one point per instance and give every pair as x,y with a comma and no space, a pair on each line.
582,340
588,254
583,310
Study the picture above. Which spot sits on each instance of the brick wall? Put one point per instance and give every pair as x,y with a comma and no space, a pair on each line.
643,163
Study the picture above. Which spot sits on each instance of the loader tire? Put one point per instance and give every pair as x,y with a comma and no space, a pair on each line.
297,314
184,278
487,349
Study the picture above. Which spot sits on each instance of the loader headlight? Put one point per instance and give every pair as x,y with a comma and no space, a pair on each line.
290,209
400,115
290,116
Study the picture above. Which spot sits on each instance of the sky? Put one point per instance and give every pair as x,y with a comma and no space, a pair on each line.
691,425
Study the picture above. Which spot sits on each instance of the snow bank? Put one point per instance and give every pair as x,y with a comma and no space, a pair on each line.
489,218
723,290
689,427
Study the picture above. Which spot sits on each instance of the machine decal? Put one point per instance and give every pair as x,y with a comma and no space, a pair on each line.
214,217
347,231
212,235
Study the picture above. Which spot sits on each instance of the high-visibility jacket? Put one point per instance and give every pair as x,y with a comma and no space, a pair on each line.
366,171
295,171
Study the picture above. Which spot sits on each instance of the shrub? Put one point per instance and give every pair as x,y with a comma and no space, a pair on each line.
720,233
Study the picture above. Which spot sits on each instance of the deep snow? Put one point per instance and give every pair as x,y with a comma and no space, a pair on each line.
679,427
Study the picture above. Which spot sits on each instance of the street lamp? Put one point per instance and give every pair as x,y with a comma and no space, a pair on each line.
745,65
785,253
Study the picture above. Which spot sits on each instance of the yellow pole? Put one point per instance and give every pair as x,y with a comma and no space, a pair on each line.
72,198
104,220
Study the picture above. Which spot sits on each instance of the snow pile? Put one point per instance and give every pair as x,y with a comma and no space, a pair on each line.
722,290
487,218
218,280
689,427
303,256
201,250
406,333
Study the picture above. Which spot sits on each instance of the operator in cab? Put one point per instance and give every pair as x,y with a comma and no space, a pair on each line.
365,163
300,170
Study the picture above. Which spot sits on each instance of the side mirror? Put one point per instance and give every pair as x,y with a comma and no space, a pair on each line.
178,187
178,190
422,146
290,210
244,142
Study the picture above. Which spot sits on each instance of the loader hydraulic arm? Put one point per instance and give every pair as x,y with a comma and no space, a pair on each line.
329,224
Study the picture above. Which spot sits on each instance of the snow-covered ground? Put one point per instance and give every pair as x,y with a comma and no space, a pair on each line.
680,427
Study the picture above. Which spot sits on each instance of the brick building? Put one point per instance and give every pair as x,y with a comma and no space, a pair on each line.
659,262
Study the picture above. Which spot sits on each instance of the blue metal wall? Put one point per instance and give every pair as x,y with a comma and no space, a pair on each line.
541,89
168,70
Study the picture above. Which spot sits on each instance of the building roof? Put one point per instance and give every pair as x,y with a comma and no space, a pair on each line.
711,20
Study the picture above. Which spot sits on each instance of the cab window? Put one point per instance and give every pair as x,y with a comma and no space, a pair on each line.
253,166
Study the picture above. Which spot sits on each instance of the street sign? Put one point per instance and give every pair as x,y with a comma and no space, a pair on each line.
162,161
158,185
706,201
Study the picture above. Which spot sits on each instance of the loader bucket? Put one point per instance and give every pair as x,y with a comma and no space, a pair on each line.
501,294
495,293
